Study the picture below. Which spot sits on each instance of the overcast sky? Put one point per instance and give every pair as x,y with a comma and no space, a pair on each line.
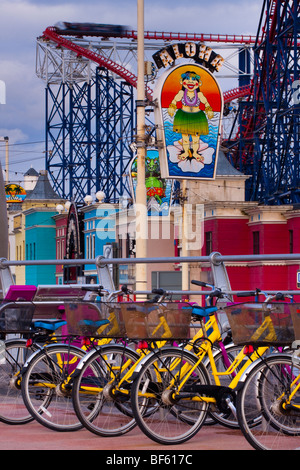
22,118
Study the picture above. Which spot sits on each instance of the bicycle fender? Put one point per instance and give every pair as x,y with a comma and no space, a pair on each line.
41,348
256,362
15,340
95,351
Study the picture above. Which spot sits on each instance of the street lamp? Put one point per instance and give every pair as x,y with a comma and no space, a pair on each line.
6,139
88,199
100,195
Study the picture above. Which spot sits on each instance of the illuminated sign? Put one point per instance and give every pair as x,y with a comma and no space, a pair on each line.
188,121
14,193
200,53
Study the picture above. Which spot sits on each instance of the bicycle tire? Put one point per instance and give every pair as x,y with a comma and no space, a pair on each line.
262,419
100,407
47,386
161,417
12,408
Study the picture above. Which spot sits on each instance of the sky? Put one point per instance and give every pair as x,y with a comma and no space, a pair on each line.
22,117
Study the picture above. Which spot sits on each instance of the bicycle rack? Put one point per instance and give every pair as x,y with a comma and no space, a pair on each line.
220,275
104,274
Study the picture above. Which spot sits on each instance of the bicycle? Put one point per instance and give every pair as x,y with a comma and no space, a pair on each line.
16,314
98,393
180,385
268,405
15,353
102,381
47,376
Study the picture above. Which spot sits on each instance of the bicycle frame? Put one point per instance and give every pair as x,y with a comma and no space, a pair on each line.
205,349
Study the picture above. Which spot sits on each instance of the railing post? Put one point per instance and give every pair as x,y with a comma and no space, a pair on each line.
104,274
219,272
6,279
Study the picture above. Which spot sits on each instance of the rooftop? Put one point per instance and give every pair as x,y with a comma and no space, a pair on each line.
43,189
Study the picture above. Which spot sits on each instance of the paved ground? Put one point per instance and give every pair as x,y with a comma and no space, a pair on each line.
34,436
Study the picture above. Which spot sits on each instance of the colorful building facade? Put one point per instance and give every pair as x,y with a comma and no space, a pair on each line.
229,225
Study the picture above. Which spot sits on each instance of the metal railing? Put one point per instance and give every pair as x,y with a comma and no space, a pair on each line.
215,260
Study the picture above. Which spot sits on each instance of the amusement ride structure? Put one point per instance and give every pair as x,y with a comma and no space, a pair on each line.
89,72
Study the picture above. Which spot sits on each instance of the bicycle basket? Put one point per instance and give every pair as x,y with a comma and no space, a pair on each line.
98,319
295,312
17,319
261,323
156,321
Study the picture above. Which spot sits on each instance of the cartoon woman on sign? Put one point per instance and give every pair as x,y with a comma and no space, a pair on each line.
189,120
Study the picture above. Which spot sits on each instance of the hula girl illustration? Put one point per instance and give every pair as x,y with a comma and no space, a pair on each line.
189,120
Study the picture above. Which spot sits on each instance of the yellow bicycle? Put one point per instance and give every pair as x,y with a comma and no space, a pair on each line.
102,380
172,391
268,405
47,375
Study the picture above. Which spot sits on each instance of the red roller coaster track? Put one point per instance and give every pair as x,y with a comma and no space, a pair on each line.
51,34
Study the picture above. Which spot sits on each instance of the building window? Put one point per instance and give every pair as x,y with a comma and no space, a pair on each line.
256,243
291,239
93,246
88,247
208,243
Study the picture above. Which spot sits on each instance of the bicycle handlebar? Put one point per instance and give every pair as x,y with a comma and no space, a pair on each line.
125,290
248,293
159,291
200,283
268,297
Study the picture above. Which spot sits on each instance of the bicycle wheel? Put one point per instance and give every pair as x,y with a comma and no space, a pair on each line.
101,402
162,414
263,418
227,419
47,386
12,408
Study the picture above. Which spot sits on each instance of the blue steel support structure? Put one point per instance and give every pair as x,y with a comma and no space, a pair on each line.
268,143
89,127
115,123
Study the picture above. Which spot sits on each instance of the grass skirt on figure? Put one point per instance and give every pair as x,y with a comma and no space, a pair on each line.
190,123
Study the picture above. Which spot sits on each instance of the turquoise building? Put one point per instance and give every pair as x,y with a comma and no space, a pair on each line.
99,234
40,244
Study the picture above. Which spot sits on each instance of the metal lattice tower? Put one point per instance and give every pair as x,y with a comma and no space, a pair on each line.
114,124
267,147
89,126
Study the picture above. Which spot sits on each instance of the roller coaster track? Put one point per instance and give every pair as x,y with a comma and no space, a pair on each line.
51,34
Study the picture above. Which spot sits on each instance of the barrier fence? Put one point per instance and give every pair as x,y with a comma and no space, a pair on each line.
216,261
